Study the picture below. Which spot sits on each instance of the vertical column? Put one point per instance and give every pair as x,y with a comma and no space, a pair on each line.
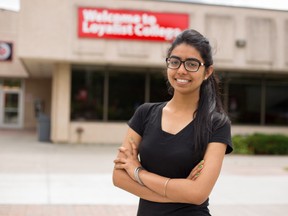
60,115
281,44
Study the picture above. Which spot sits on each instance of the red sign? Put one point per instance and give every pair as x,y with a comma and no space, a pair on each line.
126,24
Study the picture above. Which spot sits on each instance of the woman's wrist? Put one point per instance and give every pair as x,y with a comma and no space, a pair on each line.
156,183
136,175
165,186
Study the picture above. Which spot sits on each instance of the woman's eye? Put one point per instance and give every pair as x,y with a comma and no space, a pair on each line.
192,64
174,62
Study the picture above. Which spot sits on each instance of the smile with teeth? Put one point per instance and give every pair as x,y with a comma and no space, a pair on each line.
183,81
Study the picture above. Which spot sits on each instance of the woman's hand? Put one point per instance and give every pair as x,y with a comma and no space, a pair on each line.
129,161
195,173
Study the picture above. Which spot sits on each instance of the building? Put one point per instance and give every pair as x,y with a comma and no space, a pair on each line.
88,64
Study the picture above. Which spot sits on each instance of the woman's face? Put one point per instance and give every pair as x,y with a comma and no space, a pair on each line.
181,80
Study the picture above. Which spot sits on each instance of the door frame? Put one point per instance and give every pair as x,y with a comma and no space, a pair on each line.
20,110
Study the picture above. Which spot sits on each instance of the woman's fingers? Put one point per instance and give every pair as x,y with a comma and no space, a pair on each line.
120,163
128,152
119,166
134,151
134,147
128,159
198,170
195,173
120,160
125,151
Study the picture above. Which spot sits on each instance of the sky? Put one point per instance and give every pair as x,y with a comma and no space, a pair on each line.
14,5
263,4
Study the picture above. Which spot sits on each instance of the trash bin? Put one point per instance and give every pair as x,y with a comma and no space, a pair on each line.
43,128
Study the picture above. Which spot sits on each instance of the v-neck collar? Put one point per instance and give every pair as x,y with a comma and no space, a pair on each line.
160,122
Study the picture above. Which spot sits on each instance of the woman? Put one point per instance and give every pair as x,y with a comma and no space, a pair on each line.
174,138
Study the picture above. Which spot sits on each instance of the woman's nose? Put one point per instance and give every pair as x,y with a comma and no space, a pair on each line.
182,69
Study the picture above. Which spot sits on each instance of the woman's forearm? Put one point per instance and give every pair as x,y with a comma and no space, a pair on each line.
180,190
122,180
187,190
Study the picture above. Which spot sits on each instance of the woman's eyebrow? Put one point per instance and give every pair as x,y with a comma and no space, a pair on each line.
191,58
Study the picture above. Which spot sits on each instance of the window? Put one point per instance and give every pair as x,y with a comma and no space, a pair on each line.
277,103
10,103
158,88
257,99
102,94
114,94
126,93
87,95
245,102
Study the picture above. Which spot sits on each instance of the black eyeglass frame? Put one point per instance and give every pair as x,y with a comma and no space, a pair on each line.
183,62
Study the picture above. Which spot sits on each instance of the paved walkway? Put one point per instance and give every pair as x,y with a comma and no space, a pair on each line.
44,179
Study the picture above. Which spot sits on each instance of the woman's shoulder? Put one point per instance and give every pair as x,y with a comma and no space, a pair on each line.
220,119
221,130
148,107
143,115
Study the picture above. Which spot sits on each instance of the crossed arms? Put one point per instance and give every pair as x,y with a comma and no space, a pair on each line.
194,189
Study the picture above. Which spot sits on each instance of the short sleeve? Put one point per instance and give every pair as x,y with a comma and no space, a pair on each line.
223,135
139,119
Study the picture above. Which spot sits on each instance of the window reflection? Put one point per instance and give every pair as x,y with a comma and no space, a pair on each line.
114,94
87,95
245,102
11,84
11,103
126,90
277,103
10,94
126,93
258,99
159,90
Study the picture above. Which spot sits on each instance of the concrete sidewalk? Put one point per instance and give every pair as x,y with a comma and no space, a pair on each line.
41,179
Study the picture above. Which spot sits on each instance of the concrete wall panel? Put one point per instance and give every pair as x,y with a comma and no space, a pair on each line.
220,30
260,37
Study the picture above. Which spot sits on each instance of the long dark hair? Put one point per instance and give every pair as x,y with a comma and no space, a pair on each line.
210,114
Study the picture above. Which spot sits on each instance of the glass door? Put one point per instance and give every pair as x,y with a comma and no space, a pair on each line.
11,108
10,96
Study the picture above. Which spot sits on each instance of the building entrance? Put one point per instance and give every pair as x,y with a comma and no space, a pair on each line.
10,104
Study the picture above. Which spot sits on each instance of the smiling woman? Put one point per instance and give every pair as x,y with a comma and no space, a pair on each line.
172,152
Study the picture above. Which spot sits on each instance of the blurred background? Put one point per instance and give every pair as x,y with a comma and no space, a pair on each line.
76,70
72,72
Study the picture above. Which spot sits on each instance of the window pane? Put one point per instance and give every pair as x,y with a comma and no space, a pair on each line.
87,95
158,88
11,103
277,103
126,93
244,102
12,84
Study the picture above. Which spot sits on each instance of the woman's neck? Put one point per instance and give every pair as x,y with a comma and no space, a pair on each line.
180,103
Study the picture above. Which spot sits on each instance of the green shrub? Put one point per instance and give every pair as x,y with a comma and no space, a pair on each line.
268,144
241,145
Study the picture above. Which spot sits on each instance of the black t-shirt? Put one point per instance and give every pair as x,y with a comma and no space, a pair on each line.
170,155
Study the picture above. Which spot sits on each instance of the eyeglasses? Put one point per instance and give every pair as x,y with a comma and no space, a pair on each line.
191,64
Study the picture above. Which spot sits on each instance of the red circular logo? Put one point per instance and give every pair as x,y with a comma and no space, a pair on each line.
5,51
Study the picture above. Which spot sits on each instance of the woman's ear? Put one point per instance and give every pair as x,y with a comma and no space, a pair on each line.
208,72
